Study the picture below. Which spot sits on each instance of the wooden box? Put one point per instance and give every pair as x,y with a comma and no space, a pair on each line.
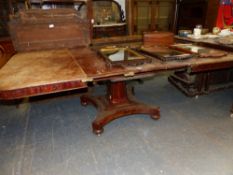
158,38
38,29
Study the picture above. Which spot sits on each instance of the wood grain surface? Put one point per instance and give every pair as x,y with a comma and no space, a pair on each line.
44,72
38,69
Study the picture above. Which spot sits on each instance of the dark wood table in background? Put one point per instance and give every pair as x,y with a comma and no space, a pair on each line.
198,83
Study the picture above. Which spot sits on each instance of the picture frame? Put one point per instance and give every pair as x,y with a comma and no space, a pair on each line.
120,56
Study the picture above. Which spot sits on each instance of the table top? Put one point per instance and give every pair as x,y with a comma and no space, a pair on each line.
44,72
41,72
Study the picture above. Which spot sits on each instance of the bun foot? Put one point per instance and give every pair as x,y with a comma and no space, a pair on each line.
117,103
84,101
155,117
98,130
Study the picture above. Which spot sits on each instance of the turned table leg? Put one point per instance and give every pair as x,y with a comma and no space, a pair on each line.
118,102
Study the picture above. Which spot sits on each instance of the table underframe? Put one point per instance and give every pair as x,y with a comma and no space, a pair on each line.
118,102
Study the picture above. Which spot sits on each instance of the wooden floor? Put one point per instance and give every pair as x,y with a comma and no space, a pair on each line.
53,136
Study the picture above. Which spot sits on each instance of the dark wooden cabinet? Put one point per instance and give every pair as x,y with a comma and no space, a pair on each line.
191,13
150,15
212,12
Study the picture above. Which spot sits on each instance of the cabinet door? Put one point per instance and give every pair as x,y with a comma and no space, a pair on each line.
149,15
142,16
164,15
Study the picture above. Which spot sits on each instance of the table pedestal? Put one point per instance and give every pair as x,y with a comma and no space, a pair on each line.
118,102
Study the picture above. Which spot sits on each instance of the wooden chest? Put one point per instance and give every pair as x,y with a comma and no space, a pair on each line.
38,29
158,38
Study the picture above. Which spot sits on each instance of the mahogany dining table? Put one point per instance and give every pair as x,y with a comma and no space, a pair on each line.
36,73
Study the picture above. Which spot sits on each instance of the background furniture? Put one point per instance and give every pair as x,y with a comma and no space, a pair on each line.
199,83
191,13
193,84
108,19
109,30
150,15
5,10
6,50
212,12
38,29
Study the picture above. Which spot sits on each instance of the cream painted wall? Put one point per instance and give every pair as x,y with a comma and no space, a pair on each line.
122,3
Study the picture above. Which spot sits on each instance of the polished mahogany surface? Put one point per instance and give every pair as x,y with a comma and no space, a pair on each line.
36,73
200,64
208,42
45,72
43,68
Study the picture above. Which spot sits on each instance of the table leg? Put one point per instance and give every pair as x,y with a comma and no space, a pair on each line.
118,102
232,111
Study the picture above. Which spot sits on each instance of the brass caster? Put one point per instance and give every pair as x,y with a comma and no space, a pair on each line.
98,132
231,115
155,117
